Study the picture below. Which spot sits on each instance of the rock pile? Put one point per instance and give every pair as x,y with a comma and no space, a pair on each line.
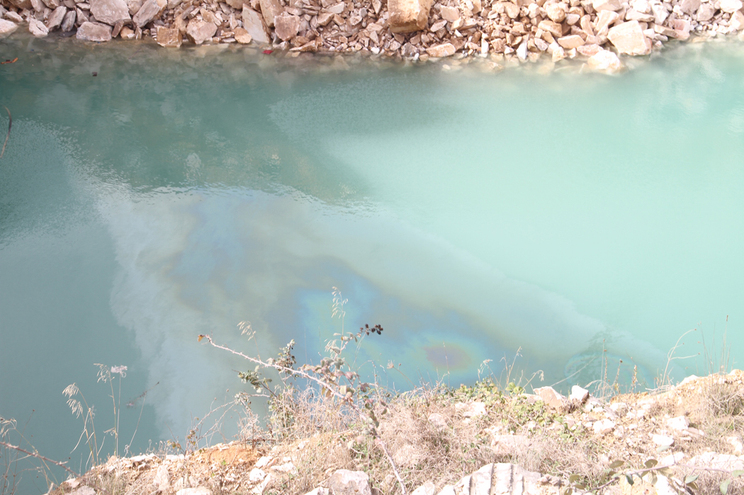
598,30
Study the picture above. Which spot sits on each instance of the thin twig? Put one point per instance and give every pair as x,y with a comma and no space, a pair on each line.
7,136
38,456
392,464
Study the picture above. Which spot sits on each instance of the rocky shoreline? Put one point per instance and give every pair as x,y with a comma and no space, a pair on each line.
598,31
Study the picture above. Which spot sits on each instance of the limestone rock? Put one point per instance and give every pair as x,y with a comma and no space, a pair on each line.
662,440
605,61
150,10
556,12
345,482
552,27
7,28
286,26
408,15
319,491
689,7
169,38
450,14
604,426
571,41
38,5
110,11
471,409
37,28
13,17
438,421
22,4
200,31
441,50
427,488
254,24
200,490
548,394
628,38
682,28
606,5
56,18
94,31
270,9
737,21
242,36
731,6
579,394
679,423
705,12
236,4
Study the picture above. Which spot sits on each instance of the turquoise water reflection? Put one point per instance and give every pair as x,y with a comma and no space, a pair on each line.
470,213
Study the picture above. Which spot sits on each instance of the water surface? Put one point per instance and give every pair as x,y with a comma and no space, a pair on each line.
581,218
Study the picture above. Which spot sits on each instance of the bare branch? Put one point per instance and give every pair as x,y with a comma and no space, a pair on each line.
38,456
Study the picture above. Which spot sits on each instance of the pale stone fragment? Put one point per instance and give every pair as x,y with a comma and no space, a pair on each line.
286,26
427,488
556,11
51,4
470,409
21,4
606,5
270,9
705,12
731,6
634,15
628,38
200,31
682,28
109,11
55,20
408,15
254,24
579,394
13,16
345,482
480,481
450,14
679,423
605,20
441,50
572,19
548,394
603,426
660,12
552,27
605,61
512,10
556,52
438,421
38,5
664,31
94,31
319,491
689,7
37,28
242,36
236,4
126,33
437,25
150,10
336,8
571,41
169,38
7,28
662,440
737,21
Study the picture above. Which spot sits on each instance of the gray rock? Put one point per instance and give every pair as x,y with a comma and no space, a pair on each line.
149,11
94,31
200,31
37,28
7,28
109,11
345,482
254,24
55,20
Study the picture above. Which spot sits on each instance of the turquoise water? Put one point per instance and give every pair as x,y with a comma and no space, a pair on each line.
576,218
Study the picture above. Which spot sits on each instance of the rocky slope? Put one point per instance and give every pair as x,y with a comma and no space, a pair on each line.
597,30
684,440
